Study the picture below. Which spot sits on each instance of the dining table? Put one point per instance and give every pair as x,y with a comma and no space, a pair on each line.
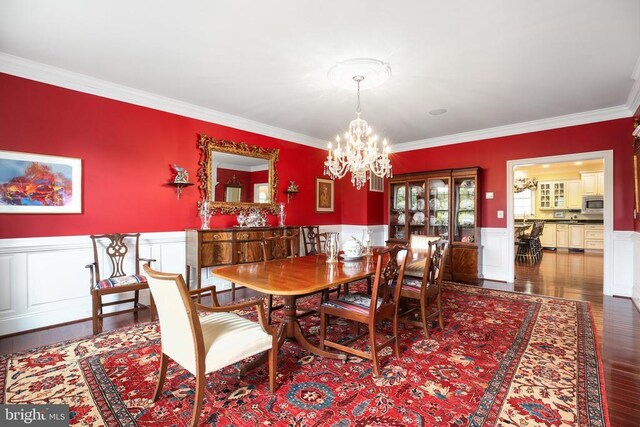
294,277
291,278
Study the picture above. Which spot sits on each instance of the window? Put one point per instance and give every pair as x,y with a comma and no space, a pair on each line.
523,203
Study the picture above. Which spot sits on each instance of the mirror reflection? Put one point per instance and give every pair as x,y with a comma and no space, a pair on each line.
237,177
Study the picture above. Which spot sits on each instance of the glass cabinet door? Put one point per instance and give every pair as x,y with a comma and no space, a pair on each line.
558,194
416,216
438,207
464,209
545,194
397,211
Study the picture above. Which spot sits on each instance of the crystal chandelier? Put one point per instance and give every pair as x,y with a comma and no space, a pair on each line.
360,154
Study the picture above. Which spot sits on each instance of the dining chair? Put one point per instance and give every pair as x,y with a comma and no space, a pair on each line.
206,343
312,245
115,273
418,241
529,247
425,289
369,310
276,247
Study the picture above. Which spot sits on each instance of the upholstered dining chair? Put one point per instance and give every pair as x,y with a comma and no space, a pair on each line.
204,344
425,289
277,247
370,309
118,273
418,241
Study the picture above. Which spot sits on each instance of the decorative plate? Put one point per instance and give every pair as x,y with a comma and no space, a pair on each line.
351,258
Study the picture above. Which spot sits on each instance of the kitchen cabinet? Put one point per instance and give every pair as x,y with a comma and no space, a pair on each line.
576,236
562,236
439,203
592,183
594,237
574,194
548,237
552,195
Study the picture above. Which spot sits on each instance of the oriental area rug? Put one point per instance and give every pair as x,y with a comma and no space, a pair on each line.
503,359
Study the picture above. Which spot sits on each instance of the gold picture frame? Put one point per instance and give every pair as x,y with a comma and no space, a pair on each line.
325,195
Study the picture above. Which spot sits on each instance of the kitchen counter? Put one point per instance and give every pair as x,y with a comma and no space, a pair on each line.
563,221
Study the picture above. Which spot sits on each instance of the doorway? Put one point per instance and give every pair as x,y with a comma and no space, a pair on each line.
607,216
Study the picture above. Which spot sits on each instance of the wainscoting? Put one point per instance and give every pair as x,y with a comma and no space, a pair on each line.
43,280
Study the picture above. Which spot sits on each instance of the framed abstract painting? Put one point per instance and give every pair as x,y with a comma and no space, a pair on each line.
324,195
36,183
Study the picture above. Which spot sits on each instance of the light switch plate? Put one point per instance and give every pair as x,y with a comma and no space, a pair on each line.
500,214
489,195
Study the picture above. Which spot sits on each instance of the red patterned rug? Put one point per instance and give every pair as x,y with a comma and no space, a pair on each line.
503,359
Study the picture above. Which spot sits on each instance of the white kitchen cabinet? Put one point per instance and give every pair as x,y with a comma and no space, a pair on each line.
576,236
592,183
574,194
594,237
562,236
548,237
552,195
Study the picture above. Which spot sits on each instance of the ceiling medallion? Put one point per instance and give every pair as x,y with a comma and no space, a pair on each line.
361,155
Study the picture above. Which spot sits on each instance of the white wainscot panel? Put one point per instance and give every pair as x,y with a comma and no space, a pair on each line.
636,269
623,265
55,277
493,254
5,284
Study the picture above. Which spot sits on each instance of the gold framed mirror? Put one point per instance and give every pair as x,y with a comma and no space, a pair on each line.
230,172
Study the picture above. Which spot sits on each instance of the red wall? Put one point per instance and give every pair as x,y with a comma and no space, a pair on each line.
126,151
492,154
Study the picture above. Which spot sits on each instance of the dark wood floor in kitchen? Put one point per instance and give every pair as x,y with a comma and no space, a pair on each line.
565,275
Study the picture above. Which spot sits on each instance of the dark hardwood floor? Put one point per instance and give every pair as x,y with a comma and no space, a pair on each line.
565,275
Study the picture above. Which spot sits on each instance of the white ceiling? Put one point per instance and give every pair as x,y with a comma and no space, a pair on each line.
491,64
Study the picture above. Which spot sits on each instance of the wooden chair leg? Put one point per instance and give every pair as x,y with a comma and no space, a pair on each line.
162,375
269,307
198,397
136,302
233,291
273,366
323,328
440,317
423,313
396,346
374,350
152,308
95,312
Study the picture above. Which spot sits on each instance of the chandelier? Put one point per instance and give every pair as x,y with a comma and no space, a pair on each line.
360,155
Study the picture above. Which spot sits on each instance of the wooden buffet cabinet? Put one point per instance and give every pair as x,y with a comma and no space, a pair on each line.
439,203
225,246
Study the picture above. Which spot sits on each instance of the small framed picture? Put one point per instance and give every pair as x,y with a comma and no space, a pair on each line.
324,195
376,183
36,183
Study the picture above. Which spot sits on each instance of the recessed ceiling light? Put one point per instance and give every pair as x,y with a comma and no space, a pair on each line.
545,166
438,111
577,163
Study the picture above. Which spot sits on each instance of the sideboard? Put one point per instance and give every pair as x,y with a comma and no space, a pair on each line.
225,246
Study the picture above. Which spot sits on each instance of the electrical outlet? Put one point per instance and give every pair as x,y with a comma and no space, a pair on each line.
500,214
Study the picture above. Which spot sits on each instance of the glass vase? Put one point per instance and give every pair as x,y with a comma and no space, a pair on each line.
281,215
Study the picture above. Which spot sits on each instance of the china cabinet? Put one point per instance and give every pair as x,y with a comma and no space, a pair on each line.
439,203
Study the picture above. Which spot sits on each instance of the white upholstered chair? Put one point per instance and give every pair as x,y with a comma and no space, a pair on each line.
203,344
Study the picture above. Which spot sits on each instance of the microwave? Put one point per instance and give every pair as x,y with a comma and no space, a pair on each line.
593,204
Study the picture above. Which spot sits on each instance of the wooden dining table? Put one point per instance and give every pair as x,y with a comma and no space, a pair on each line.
291,278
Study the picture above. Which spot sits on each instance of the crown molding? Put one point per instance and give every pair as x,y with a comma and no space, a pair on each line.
633,101
594,116
32,70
